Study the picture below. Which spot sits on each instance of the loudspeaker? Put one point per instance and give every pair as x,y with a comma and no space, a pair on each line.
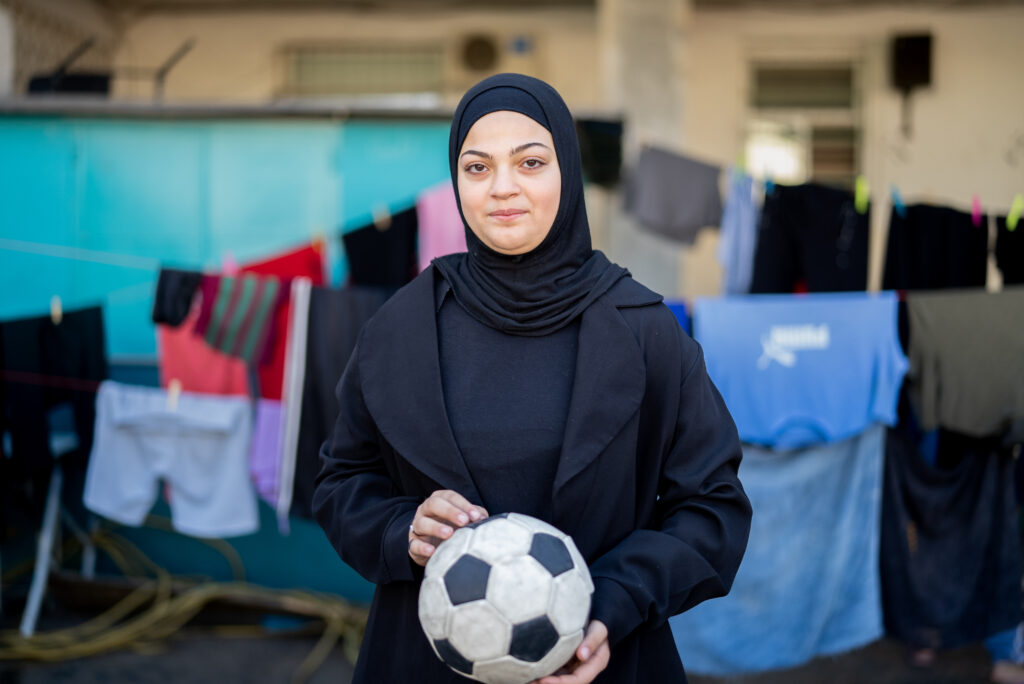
911,61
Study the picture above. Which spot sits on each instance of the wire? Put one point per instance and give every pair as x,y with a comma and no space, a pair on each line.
172,603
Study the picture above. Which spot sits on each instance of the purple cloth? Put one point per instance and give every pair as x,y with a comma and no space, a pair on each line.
265,455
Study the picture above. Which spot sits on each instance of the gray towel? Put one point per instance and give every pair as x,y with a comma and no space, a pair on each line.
674,195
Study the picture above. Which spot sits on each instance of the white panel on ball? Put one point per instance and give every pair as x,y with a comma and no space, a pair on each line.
570,602
434,608
499,540
520,589
478,632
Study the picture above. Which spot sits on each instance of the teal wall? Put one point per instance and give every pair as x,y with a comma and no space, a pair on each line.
138,193
186,193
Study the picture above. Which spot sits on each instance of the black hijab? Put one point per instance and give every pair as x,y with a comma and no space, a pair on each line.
542,290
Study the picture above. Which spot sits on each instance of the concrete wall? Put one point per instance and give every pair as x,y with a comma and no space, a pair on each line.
968,128
46,31
6,53
236,57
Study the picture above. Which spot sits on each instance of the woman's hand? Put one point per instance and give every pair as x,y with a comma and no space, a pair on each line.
436,519
590,660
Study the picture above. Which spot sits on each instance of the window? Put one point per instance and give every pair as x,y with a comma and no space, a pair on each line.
804,122
363,69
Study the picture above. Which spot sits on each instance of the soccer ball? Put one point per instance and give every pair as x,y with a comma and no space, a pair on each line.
505,600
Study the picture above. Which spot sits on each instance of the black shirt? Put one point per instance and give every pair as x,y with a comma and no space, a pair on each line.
507,399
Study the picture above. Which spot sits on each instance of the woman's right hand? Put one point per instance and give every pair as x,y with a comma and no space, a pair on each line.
436,519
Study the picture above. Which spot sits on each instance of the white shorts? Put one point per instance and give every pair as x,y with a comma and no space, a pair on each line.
200,448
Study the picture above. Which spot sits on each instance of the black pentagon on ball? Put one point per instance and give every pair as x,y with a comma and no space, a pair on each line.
550,552
531,640
453,658
466,580
478,523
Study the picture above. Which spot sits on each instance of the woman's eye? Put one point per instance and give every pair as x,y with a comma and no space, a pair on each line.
475,168
533,163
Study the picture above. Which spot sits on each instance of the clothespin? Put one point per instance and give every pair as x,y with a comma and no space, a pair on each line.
861,195
976,211
382,217
56,310
1015,211
173,393
769,186
897,202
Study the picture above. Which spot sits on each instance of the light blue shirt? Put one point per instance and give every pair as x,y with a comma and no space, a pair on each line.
798,370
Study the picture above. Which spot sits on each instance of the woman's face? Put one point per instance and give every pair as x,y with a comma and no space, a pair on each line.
509,181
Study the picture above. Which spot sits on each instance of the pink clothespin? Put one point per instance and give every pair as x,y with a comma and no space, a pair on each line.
976,211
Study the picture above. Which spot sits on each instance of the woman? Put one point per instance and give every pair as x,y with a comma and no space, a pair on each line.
532,375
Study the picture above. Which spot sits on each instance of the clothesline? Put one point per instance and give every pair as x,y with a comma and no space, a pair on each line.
80,254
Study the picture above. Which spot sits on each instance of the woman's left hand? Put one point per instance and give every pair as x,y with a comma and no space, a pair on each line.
590,660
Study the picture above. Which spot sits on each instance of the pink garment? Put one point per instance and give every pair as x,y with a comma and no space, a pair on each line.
440,226
200,368
265,452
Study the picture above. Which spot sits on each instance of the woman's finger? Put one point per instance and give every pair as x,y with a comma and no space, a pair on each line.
475,512
420,551
596,634
440,507
428,527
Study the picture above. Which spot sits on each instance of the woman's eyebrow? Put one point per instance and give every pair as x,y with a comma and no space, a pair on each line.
517,150
512,153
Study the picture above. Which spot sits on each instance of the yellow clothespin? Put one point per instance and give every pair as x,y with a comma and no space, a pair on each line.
1015,211
173,393
56,310
861,195
382,217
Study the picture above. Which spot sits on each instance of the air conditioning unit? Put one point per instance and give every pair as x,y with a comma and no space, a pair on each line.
474,56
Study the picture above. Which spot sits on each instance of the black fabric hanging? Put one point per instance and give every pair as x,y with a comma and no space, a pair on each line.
384,255
174,292
812,238
335,319
950,552
935,247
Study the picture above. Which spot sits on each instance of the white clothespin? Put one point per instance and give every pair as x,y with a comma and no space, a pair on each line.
173,393
56,310
382,217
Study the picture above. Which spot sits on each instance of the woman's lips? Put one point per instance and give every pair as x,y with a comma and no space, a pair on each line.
506,214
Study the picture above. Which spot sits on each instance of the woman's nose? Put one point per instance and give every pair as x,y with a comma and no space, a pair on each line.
505,184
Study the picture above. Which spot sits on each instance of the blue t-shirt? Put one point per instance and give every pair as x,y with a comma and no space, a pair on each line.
797,370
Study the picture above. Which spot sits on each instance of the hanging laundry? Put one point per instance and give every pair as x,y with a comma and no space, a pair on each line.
317,359
441,230
175,290
739,235
239,318
800,370
306,261
600,150
935,247
950,555
46,364
265,454
1010,251
967,359
674,195
383,256
199,448
184,356
808,585
811,238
